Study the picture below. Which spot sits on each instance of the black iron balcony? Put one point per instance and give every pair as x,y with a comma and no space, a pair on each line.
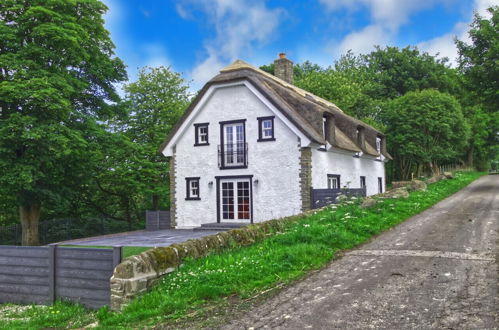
233,155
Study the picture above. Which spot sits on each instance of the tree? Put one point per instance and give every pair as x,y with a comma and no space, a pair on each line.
398,71
57,70
479,63
153,105
339,88
426,127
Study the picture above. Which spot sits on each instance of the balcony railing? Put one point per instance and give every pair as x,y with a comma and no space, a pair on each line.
233,155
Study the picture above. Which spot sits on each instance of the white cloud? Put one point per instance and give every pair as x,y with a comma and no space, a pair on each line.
241,26
387,13
156,55
387,16
444,45
207,69
482,5
363,41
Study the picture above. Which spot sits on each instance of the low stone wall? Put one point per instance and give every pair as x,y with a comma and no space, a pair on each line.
137,274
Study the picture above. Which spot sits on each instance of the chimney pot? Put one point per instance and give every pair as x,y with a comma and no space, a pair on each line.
282,55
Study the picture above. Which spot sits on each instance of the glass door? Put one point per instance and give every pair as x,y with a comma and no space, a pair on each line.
234,152
235,202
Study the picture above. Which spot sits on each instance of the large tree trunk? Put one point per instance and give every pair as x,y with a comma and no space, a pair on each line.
469,161
30,216
435,170
155,202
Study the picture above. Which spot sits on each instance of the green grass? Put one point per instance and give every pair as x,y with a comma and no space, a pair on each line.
128,251
245,272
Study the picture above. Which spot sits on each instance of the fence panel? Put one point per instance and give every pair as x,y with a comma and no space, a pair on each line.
323,197
158,220
24,274
42,274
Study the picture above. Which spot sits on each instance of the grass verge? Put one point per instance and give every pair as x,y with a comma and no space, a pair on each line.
246,271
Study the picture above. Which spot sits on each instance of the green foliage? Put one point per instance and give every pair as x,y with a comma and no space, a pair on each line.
153,105
398,71
247,271
339,88
479,63
57,71
426,127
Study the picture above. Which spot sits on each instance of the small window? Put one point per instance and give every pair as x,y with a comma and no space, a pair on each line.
266,129
333,181
201,134
192,189
380,185
362,181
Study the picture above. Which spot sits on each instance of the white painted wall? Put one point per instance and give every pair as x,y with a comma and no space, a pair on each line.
348,167
274,164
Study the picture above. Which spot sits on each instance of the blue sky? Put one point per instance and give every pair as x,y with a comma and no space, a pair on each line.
198,37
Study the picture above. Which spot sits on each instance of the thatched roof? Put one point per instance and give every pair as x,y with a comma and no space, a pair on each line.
302,108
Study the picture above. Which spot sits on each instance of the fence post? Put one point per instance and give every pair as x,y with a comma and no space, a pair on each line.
117,255
52,267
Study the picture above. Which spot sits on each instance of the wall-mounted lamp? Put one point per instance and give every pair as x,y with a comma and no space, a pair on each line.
210,184
255,181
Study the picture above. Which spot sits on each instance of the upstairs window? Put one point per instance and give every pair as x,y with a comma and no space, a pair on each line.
192,188
333,181
201,134
266,129
379,147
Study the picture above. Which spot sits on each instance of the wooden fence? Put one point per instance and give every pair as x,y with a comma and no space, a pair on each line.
323,197
158,220
42,274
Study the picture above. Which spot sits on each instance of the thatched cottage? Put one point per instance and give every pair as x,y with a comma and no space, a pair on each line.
253,147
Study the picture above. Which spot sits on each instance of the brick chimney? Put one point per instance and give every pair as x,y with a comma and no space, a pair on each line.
283,68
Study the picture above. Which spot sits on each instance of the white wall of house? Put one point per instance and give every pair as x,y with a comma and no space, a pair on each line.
275,164
348,167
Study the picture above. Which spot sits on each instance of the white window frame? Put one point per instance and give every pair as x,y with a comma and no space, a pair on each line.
199,135
332,180
266,133
192,188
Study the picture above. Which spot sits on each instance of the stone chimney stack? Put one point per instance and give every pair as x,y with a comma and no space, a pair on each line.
283,68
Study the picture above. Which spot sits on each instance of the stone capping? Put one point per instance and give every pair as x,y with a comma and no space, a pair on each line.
139,273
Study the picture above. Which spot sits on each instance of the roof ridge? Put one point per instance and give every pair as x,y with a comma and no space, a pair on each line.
240,65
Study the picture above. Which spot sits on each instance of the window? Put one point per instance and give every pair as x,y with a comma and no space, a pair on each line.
379,147
233,149
266,129
192,188
333,181
380,185
201,134
362,181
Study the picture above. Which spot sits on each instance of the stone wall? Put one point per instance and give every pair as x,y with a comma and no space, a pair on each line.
137,274
173,200
305,178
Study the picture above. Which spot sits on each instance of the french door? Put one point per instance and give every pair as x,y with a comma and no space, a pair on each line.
234,144
235,199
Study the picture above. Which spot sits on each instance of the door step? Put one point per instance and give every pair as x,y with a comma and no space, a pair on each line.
220,226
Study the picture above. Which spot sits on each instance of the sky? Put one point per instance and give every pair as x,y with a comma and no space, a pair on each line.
199,37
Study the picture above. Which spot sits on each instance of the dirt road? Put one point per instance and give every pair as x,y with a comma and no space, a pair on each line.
438,270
